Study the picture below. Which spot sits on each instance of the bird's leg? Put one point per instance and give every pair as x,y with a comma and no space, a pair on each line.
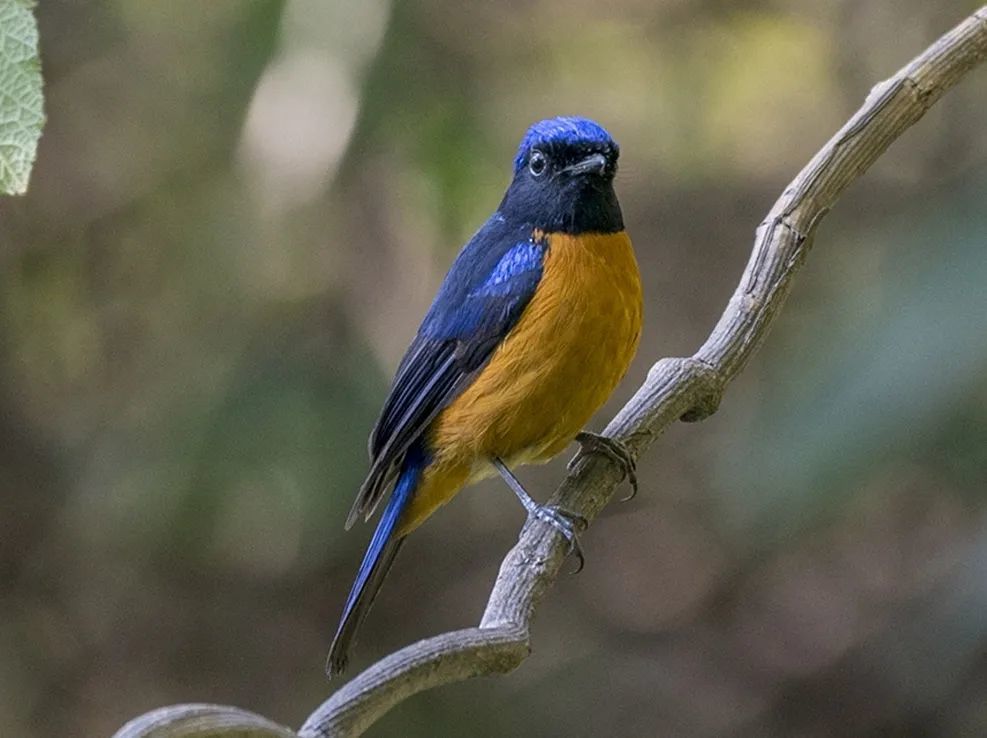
594,443
567,523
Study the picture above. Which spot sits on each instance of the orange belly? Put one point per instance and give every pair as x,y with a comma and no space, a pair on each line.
559,364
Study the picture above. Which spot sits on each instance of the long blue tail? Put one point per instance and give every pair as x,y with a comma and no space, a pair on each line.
376,562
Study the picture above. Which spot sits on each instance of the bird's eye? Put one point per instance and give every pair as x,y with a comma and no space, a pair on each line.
537,163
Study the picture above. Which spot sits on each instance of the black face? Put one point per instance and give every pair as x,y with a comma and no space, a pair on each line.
566,187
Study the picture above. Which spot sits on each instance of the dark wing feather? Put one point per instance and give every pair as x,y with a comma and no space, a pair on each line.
480,301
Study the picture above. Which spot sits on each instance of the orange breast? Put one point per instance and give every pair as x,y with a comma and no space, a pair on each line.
569,350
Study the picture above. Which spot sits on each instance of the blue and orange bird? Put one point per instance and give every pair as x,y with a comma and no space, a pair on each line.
532,329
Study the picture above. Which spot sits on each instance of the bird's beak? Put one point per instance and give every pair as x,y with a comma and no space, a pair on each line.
597,164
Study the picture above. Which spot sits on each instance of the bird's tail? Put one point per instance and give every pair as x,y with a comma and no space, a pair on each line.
376,562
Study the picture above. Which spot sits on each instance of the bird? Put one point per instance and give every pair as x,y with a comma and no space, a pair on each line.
533,327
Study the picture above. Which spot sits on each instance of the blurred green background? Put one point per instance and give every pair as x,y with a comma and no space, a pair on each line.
239,213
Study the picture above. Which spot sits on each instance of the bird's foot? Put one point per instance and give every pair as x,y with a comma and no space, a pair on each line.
568,524
594,443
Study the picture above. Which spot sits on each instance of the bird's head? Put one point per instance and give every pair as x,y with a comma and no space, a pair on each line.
563,178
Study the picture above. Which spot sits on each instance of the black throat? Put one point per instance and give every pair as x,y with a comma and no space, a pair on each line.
579,206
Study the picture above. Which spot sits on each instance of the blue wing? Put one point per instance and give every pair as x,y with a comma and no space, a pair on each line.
480,301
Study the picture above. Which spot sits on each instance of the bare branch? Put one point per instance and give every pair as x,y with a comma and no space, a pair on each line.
202,721
688,389
450,657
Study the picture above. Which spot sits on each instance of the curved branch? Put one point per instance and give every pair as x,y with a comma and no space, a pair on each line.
202,721
450,657
687,389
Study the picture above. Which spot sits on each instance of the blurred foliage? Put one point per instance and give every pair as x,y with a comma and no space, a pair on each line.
21,102
238,215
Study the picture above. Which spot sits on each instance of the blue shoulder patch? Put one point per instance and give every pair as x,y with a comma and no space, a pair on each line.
492,303
524,257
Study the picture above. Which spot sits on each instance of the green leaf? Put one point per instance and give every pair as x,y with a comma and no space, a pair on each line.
21,105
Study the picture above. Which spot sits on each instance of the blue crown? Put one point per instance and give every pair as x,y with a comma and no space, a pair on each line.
563,131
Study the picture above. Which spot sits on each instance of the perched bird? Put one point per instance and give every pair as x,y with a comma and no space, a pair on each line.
533,327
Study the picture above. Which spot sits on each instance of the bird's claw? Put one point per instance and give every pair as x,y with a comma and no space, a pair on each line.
569,525
594,443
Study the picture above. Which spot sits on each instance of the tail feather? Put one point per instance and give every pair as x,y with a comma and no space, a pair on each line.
376,562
